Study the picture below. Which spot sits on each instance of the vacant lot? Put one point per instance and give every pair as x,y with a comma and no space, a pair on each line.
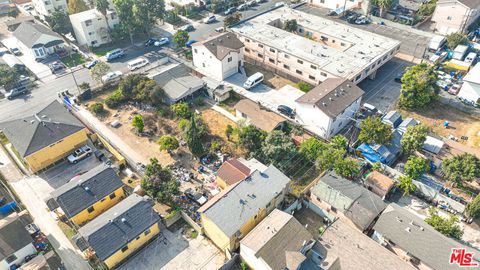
460,123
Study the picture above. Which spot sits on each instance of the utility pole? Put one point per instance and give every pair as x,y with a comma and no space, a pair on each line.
73,74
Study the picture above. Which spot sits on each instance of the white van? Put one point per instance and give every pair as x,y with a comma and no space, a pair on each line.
253,80
470,57
137,63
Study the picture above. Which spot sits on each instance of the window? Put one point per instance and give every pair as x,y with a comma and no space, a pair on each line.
195,50
247,50
102,200
286,56
268,205
203,64
90,209
300,30
333,40
125,248
333,209
299,72
358,77
311,77
271,60
147,232
285,66
260,45
229,59
342,44
449,18
299,61
260,55
323,74
313,67
94,42
88,22
247,40
112,195
11,258
113,15
384,58
138,237
272,50
90,33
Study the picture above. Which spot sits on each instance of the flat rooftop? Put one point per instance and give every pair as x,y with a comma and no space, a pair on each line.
362,48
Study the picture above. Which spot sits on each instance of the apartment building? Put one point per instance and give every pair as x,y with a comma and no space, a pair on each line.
91,27
452,16
318,49
46,7
340,5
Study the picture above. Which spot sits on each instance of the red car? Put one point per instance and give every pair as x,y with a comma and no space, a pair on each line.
454,89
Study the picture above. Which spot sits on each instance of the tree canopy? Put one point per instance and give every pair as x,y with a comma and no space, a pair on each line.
168,143
232,19
464,167
347,167
312,148
137,123
158,182
414,138
416,166
455,39
59,22
278,149
251,138
406,184
290,25
194,132
76,6
8,76
447,226
181,110
374,131
180,38
418,87
473,208
99,70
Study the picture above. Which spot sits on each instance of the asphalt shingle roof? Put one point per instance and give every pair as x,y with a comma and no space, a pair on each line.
360,205
242,201
50,125
233,171
421,240
13,235
222,45
177,82
259,117
119,225
87,189
34,35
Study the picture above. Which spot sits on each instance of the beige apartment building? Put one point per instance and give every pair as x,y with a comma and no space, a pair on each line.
91,27
452,16
318,49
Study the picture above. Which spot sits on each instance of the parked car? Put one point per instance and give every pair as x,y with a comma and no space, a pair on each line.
220,29
230,11
251,3
28,7
210,19
362,20
56,66
189,43
242,7
188,28
79,154
442,85
279,4
114,54
15,51
195,196
111,76
161,42
287,111
454,89
352,17
258,2
150,42
91,64
16,91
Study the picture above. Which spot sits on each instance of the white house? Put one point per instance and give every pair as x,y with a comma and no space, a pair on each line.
16,242
46,7
470,91
340,5
91,27
218,57
329,107
37,39
455,15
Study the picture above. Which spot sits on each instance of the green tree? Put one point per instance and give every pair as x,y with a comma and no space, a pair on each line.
347,167
194,136
228,131
59,22
115,99
180,38
339,142
406,184
414,138
168,143
418,87
304,87
158,182
312,148
8,76
99,70
13,12
383,5
137,123
291,26
278,149
416,166
84,86
374,131
427,9
455,39
328,158
232,19
181,110
147,12
446,226
102,6
473,208
97,108
76,6
126,15
464,167
377,166
250,138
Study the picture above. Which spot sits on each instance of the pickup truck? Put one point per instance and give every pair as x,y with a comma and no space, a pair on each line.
79,154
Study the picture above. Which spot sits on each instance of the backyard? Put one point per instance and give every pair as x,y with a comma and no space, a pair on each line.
270,79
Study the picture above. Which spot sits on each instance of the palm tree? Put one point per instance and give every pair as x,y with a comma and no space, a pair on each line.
383,5
406,184
102,7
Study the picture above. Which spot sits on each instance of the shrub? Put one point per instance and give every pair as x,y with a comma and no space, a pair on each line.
304,87
115,99
181,110
97,108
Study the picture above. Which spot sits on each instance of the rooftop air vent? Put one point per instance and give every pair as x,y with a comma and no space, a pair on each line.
324,104
408,229
124,220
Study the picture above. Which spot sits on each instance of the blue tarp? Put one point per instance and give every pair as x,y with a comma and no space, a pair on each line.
7,208
370,154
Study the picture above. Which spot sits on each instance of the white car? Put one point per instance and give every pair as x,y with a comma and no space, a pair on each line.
219,29
251,3
161,42
210,19
79,154
279,4
111,76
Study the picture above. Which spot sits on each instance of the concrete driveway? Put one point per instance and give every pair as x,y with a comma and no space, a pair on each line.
40,70
172,251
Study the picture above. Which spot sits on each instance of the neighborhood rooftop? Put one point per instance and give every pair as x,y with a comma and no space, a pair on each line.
86,189
13,235
233,171
231,209
42,129
332,96
221,45
361,49
259,117
119,225
32,34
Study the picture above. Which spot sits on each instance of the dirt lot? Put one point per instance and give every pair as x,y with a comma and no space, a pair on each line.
270,79
461,124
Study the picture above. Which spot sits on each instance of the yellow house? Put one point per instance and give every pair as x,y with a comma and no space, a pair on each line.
126,227
231,172
88,195
45,137
235,211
